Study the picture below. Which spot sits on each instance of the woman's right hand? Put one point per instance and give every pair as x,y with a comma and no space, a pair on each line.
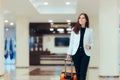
68,57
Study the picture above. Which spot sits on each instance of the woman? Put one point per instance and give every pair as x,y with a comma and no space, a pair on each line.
81,42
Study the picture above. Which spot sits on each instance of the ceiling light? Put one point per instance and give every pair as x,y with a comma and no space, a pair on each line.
51,29
45,3
11,23
60,30
50,21
6,21
68,21
67,3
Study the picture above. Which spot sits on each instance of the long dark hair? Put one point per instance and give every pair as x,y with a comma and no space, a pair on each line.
77,26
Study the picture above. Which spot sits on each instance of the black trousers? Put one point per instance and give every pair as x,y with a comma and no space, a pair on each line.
81,61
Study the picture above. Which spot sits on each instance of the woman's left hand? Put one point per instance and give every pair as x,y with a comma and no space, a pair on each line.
87,47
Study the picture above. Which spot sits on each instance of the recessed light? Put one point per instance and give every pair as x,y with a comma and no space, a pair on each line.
6,21
50,21
67,3
51,29
68,21
45,3
60,30
11,23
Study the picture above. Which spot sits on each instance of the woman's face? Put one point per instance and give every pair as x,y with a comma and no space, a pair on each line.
82,20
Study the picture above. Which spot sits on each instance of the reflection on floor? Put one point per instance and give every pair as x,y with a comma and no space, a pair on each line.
39,73
43,73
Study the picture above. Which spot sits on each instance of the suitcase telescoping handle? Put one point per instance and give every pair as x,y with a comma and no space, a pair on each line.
71,67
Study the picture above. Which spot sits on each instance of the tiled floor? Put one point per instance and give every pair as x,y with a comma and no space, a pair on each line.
43,73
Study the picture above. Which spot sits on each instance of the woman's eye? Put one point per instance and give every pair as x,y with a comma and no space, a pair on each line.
83,18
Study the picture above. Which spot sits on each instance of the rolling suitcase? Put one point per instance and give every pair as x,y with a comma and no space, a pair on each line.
68,74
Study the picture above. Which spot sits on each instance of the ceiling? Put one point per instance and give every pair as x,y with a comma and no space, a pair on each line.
56,10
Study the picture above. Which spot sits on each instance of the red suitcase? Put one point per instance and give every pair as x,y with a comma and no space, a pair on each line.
68,74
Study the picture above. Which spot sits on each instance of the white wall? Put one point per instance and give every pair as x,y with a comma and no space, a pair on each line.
119,45
22,35
48,42
94,60
1,39
119,38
